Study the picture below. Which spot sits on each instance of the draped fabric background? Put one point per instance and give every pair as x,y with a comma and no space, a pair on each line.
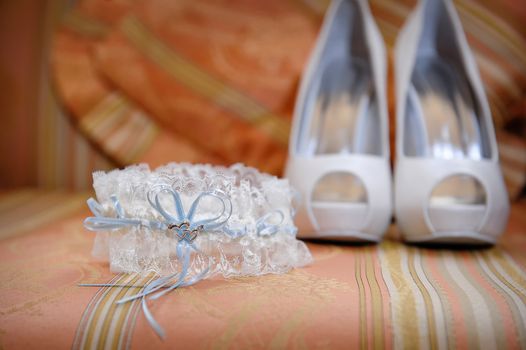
119,82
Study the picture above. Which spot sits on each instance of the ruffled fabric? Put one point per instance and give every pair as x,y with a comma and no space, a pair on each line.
259,236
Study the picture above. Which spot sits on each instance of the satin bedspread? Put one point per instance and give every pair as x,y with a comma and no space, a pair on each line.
388,295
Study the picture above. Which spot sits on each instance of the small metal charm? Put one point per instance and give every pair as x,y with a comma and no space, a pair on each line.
183,231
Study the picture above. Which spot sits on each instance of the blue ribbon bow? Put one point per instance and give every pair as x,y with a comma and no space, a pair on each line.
184,228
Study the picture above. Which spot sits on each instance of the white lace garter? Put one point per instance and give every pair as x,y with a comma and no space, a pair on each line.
189,222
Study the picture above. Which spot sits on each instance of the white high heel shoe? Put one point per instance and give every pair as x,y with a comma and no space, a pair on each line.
448,183
339,150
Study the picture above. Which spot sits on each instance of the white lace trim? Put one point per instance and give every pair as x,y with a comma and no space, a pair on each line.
252,195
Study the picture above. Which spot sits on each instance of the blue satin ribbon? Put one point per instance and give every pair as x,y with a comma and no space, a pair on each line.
101,223
264,226
183,221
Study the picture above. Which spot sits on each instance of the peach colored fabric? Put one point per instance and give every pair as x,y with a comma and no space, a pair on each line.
387,295
244,92
218,79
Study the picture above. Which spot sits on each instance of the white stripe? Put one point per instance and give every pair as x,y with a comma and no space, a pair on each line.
480,309
115,117
99,323
498,74
508,278
419,300
131,317
84,321
438,312
493,40
115,318
397,309
516,300
511,36
393,298
520,270
116,140
147,130
512,152
91,316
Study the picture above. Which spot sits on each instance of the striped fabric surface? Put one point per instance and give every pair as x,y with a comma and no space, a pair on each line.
231,98
389,295
28,209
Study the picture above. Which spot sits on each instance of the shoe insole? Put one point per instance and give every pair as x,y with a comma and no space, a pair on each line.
341,123
339,120
448,110
445,118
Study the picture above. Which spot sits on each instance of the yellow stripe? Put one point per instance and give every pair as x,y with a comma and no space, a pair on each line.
487,21
101,122
362,312
127,309
134,127
111,105
376,301
199,80
137,133
497,320
490,263
497,284
274,126
433,342
38,203
441,306
405,314
111,124
13,199
144,141
204,84
515,274
88,311
115,318
96,313
30,220
83,25
109,315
